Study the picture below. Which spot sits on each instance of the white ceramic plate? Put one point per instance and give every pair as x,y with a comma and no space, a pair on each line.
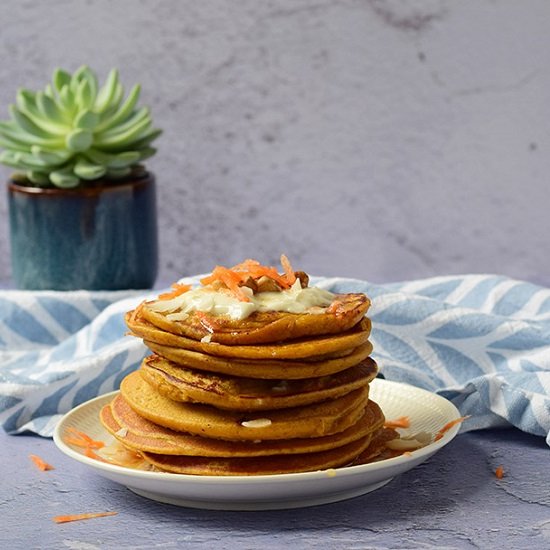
427,412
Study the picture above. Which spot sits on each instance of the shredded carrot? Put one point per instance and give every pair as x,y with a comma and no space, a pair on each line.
334,307
234,277
90,453
230,279
177,290
81,443
401,422
207,321
448,426
80,439
77,517
499,472
289,272
41,464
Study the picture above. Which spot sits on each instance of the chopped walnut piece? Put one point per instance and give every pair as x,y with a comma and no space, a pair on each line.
251,284
266,284
304,278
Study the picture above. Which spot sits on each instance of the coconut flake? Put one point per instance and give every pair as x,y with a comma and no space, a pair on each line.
411,443
257,423
123,432
177,316
282,386
206,339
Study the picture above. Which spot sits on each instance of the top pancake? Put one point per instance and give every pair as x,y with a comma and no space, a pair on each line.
263,327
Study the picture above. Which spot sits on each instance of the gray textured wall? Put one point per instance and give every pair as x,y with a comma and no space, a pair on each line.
376,139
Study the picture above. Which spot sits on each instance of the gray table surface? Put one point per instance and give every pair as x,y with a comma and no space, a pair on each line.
453,500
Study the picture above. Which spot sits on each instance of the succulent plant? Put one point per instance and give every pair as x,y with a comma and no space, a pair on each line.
74,131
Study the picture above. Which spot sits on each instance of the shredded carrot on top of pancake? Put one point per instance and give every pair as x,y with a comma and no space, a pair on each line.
234,277
177,290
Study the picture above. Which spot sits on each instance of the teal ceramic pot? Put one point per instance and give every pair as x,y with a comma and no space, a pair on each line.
102,237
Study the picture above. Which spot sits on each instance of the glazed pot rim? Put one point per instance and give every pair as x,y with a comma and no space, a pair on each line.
98,186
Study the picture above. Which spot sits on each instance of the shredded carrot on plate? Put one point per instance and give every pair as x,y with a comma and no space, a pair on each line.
499,472
77,517
90,453
41,464
448,426
80,439
401,422
177,290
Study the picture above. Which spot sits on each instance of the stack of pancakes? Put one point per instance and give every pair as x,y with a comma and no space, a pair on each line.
272,393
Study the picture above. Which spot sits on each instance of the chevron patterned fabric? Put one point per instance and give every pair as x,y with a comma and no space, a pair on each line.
482,341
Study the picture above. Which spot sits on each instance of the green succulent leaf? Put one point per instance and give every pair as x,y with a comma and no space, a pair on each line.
120,160
87,170
107,94
79,140
84,95
50,110
67,99
64,178
40,178
26,124
123,139
34,107
147,152
137,118
61,78
117,173
86,120
75,131
120,115
53,158
12,132
11,145
146,138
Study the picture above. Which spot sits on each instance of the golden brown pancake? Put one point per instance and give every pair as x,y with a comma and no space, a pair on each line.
139,434
266,369
264,327
245,394
263,465
311,349
314,420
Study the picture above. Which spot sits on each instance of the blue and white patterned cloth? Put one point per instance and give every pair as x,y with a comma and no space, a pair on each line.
482,341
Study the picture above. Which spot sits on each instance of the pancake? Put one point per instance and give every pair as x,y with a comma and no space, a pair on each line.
311,348
265,369
315,420
139,434
281,464
245,394
262,327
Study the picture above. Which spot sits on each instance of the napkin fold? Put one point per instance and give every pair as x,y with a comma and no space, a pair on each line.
481,341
